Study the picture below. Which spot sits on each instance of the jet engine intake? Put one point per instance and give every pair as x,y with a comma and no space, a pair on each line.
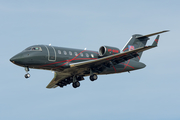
107,50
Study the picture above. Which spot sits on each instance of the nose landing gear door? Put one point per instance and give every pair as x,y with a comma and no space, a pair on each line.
51,53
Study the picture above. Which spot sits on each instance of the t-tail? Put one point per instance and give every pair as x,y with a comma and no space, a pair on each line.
138,41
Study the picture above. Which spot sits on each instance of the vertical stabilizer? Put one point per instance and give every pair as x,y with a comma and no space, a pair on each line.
136,41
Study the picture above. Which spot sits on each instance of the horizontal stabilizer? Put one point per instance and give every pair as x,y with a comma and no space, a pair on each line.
153,34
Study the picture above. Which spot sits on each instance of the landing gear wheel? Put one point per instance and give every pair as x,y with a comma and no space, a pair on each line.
27,75
76,84
93,77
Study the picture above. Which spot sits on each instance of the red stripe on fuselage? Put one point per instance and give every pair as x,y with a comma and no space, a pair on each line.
126,65
114,69
75,59
54,63
69,60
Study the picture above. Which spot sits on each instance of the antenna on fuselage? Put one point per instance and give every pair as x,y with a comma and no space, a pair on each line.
84,48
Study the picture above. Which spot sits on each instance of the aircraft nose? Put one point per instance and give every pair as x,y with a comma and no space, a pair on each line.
13,59
16,59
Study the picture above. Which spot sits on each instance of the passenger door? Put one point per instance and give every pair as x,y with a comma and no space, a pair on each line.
51,53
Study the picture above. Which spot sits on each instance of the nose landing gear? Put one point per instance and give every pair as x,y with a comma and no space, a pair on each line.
27,75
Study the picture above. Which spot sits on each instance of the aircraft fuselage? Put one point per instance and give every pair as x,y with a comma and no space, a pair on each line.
58,58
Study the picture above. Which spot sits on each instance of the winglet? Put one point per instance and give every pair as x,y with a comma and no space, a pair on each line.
156,41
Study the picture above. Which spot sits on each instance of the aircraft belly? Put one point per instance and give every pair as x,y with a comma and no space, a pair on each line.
114,69
124,67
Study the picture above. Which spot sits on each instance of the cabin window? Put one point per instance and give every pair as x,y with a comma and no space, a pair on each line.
92,55
59,51
75,53
65,53
81,54
87,55
70,53
34,49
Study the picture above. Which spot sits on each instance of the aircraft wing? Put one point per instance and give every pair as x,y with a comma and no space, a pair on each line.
116,58
58,76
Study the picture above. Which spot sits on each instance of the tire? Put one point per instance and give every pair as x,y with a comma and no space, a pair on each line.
76,84
27,75
93,77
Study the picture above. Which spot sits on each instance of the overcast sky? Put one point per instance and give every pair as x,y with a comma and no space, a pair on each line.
152,93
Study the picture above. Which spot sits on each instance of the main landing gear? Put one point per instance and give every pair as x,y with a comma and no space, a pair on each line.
27,75
74,80
75,83
93,77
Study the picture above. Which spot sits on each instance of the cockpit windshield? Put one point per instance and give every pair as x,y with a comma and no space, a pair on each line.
34,49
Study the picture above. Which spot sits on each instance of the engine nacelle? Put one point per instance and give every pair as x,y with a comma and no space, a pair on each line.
107,50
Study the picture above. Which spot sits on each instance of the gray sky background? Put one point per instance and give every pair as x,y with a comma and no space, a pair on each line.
152,93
